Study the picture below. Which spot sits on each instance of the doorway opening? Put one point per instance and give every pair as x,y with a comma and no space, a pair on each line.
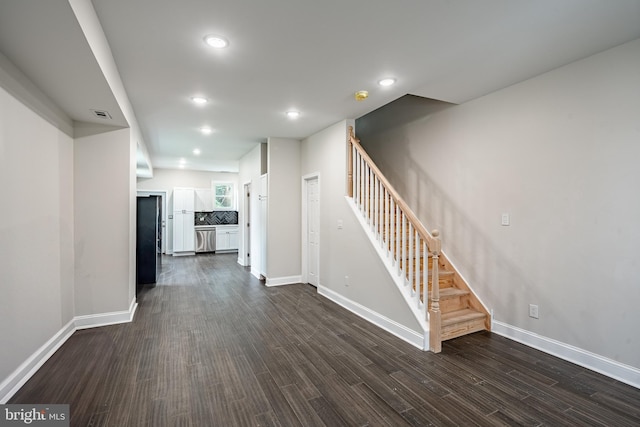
311,229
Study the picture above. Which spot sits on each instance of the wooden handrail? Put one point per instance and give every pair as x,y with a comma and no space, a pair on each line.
392,191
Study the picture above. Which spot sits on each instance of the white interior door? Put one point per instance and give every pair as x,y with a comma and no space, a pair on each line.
246,247
264,218
313,231
255,233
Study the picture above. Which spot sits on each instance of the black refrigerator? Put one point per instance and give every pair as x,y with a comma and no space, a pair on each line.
148,240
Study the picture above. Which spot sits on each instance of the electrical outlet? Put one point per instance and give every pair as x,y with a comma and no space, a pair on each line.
533,311
346,280
505,220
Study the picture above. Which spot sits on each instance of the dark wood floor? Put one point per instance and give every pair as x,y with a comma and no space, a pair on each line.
211,346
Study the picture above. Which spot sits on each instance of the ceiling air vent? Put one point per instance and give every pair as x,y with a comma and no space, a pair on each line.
101,114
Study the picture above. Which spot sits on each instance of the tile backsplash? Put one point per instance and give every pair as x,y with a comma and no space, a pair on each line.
216,218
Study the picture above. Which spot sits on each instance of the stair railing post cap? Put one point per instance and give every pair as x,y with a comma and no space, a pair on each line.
435,232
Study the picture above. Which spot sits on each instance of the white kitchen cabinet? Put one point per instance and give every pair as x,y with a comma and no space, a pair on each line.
183,232
204,200
183,199
183,221
226,238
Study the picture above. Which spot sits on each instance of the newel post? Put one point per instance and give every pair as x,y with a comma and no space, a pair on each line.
435,321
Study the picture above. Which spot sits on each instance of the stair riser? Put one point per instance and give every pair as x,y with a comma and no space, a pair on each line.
445,282
452,304
463,328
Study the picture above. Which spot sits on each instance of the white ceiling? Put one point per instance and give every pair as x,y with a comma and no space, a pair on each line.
43,39
294,54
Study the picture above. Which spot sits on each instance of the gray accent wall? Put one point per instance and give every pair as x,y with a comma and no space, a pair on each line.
559,153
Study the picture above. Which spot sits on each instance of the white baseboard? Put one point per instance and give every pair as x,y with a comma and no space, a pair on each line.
256,273
279,281
105,319
30,366
619,371
414,338
188,253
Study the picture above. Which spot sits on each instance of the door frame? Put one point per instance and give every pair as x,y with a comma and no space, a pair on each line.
165,214
244,257
305,226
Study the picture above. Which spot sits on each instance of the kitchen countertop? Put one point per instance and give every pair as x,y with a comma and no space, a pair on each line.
200,227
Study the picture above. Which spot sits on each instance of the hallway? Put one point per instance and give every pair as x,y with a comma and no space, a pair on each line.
210,345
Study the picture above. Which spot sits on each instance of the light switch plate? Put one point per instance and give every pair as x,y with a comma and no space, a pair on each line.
505,219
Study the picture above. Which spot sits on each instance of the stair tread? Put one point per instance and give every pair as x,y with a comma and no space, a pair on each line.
463,315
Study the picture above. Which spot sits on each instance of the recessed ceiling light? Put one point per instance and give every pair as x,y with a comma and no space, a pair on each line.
196,151
216,41
206,130
181,166
199,100
182,161
387,82
293,114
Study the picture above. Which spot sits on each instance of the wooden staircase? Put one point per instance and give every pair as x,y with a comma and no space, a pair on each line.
452,310
461,312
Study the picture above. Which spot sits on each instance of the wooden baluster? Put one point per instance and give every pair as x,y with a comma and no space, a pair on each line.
378,211
357,178
350,162
435,321
365,184
387,221
410,258
398,236
425,276
362,185
359,164
364,188
354,160
384,217
374,205
371,191
367,191
419,267
404,243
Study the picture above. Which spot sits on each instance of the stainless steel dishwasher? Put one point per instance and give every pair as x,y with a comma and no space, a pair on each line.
205,238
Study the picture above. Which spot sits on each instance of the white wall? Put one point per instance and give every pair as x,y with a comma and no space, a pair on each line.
347,251
36,232
249,171
102,212
560,153
167,179
284,217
